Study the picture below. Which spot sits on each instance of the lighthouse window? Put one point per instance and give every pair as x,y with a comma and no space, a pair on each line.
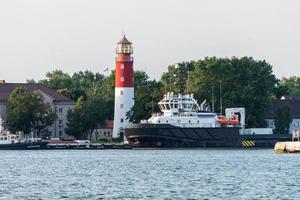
121,92
122,66
121,105
122,79
122,120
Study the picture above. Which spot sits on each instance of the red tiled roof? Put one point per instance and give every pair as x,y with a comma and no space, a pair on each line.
124,41
7,88
109,124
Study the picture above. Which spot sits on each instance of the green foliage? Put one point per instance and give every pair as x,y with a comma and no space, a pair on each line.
107,91
86,116
82,83
283,119
291,85
27,111
147,94
245,83
175,79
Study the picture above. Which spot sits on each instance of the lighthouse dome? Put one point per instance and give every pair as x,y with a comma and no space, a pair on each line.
124,46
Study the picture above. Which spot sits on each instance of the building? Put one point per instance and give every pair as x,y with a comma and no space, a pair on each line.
56,100
103,132
124,86
294,103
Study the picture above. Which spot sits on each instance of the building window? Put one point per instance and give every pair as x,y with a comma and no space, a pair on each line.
60,123
122,66
122,79
121,105
121,92
122,120
60,133
60,110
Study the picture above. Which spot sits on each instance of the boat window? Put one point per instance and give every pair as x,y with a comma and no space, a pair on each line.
168,106
158,121
5,138
160,107
176,105
189,121
12,137
1,138
167,121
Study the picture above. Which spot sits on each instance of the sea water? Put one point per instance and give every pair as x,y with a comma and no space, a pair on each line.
149,174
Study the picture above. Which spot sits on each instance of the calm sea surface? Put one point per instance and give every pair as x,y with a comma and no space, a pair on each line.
149,174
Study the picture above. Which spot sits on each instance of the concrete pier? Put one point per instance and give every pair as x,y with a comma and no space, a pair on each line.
287,147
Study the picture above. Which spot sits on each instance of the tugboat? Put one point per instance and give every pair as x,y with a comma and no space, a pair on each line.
9,141
185,124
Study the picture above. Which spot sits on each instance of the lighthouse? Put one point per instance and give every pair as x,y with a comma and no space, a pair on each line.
124,86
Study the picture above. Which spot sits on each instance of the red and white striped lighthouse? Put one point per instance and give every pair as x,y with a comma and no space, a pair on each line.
124,86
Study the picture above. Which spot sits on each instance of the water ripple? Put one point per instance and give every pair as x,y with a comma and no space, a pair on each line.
148,174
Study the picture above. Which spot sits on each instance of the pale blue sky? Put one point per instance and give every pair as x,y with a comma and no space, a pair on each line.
37,36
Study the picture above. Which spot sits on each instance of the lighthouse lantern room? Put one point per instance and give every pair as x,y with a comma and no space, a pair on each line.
124,86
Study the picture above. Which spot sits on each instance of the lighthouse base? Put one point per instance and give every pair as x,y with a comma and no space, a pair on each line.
123,103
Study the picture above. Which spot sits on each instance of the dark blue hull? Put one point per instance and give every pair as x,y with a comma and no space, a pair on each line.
168,136
24,146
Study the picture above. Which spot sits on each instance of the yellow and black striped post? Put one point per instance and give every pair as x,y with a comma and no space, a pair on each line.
248,143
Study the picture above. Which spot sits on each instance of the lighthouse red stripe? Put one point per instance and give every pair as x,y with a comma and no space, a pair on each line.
124,74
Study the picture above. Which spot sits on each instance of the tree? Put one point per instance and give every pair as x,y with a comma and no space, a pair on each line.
245,83
107,91
27,111
75,86
74,123
292,85
283,119
43,114
57,80
176,78
146,96
86,116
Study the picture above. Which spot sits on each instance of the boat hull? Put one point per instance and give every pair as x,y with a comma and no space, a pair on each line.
168,136
24,146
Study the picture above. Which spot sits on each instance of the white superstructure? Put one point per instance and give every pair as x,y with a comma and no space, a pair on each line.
182,111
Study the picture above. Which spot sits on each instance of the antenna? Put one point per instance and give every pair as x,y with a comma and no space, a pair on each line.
212,99
221,100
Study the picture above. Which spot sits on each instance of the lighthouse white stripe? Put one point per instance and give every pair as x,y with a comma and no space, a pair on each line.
120,121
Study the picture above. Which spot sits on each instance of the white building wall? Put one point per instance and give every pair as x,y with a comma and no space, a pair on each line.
123,103
294,125
3,116
56,130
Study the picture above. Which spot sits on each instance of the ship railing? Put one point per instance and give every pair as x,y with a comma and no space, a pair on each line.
156,114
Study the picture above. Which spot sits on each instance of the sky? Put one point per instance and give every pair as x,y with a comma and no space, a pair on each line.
38,36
